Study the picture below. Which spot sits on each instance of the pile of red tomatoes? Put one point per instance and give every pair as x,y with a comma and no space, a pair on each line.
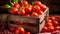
27,9
52,25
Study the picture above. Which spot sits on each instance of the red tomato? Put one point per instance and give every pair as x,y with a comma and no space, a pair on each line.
41,12
57,28
44,29
14,11
34,14
52,18
37,3
49,24
55,23
28,10
49,20
12,28
50,29
25,3
27,32
20,30
43,7
21,12
37,9
16,5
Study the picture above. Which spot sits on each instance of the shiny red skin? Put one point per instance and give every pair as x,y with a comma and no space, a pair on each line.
37,9
57,28
21,12
14,10
44,29
34,14
49,24
49,20
52,18
50,29
43,7
55,23
25,3
28,10
20,30
16,5
37,3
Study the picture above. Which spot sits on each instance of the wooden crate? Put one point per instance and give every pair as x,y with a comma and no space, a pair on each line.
41,20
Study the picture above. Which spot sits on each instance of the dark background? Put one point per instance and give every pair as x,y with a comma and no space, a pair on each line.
54,5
